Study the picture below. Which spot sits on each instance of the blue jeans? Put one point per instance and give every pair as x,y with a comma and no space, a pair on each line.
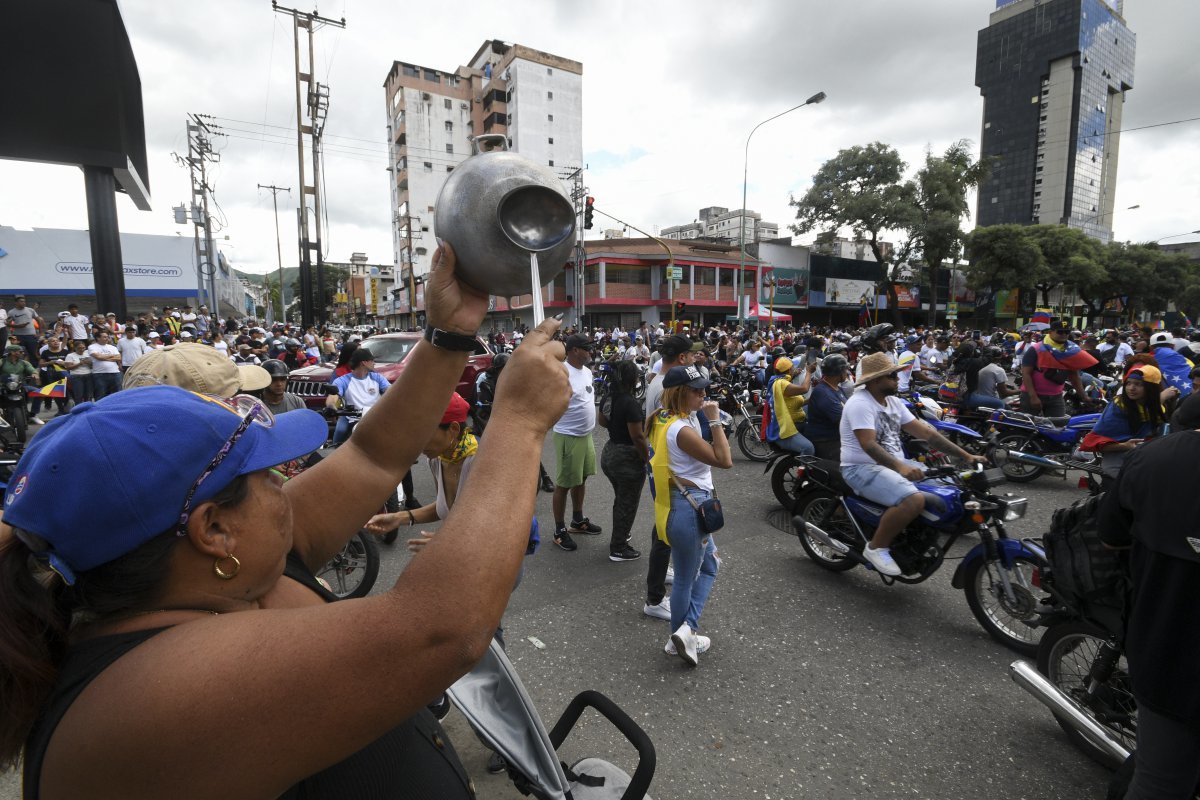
105,383
694,556
984,400
797,443
341,430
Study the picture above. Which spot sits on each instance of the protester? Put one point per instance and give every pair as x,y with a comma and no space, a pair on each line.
275,395
786,401
131,347
682,463
23,323
106,370
1046,366
361,389
825,407
573,445
624,457
210,589
1134,416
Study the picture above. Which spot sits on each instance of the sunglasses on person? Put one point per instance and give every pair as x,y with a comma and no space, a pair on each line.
252,411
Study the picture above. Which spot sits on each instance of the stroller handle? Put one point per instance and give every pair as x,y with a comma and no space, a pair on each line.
640,782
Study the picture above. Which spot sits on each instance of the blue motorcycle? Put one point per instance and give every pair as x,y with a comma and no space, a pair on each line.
999,575
1057,437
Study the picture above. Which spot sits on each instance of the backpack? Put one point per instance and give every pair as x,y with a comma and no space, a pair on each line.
1088,576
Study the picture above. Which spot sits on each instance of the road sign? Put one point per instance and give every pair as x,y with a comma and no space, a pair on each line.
951,310
674,273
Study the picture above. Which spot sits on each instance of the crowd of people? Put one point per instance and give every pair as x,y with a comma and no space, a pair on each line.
217,555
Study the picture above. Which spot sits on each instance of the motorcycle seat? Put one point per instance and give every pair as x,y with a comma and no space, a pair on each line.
1054,422
829,473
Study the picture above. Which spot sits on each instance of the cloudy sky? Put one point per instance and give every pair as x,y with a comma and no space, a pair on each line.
671,90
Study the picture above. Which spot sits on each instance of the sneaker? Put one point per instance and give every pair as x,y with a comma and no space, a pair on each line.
624,553
660,611
584,526
495,764
37,421
881,560
702,645
564,540
686,646
670,575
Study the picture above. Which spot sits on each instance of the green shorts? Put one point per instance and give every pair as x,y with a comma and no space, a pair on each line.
576,459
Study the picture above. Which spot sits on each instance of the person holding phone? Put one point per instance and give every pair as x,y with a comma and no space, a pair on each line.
1135,416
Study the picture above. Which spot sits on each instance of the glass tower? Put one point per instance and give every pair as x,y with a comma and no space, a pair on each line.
1053,75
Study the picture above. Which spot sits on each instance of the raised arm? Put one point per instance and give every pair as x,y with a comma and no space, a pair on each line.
364,471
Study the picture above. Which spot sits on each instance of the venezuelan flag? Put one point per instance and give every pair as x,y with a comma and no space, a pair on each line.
1069,356
56,389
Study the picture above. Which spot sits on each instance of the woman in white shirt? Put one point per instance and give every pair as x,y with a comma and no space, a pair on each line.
682,463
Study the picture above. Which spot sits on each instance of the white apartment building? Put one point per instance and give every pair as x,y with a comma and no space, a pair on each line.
533,98
857,249
716,222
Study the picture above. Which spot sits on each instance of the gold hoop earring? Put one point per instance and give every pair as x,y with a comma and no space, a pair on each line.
227,576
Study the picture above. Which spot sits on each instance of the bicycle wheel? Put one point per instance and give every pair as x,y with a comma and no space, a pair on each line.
352,572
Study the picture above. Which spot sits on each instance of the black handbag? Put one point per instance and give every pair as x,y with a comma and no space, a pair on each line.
712,518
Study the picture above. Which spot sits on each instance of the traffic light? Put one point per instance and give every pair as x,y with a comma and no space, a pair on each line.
587,213
680,308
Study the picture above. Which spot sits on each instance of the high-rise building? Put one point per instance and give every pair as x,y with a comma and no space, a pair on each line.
1053,75
535,99
720,223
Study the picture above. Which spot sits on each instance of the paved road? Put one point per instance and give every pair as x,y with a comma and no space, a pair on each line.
818,685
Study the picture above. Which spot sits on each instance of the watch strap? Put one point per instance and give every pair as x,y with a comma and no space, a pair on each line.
449,341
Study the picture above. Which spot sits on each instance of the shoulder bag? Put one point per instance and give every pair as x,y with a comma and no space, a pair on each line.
711,517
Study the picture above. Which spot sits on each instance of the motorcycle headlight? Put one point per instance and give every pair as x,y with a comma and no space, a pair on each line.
1015,509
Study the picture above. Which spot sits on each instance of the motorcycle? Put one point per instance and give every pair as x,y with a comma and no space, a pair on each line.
736,399
997,576
1057,437
1087,463
13,394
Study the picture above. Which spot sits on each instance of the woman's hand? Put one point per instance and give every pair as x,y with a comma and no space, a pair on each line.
534,385
382,523
711,410
450,304
417,544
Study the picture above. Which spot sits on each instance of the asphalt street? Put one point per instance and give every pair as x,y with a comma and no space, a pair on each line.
818,685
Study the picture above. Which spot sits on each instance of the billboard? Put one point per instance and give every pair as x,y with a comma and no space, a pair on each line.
907,296
789,286
844,292
1006,302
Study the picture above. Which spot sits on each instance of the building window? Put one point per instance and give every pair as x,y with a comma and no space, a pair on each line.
450,169
550,139
429,166
549,95
552,163
727,277
449,148
432,76
549,118
448,105
449,124
411,71
549,71
706,276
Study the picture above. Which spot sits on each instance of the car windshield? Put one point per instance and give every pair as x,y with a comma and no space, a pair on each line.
390,351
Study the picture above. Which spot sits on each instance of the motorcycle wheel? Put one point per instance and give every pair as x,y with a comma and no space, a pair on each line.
786,482
752,447
1002,620
352,572
1066,657
813,506
1015,471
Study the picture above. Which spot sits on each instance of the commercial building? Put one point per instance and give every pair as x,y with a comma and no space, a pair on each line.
721,224
535,99
1053,75
53,266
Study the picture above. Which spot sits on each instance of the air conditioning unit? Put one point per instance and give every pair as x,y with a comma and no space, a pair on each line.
425,96
464,106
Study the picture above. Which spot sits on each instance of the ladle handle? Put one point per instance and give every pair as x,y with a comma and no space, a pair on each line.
498,140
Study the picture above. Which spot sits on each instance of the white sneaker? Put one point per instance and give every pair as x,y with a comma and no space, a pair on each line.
670,575
36,421
686,645
881,560
660,611
702,645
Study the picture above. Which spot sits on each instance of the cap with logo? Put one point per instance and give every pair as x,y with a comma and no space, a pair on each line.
685,376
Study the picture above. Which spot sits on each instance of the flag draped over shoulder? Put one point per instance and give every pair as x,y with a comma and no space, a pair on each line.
1067,356
1176,369
1120,422
660,469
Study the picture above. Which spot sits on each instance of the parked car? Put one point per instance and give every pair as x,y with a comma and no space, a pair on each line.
390,351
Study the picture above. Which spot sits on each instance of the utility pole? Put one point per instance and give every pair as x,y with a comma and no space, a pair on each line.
200,152
275,190
313,97
578,193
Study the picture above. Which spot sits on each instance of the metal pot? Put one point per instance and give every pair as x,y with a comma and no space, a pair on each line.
497,208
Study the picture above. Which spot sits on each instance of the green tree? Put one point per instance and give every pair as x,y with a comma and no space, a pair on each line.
942,186
333,277
1001,257
1072,259
863,189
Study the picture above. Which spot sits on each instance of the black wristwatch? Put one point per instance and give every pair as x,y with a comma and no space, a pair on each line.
450,341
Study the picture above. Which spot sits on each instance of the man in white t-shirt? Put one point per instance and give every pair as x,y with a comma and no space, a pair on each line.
873,462
361,388
77,324
573,445
910,364
131,346
106,369
1112,341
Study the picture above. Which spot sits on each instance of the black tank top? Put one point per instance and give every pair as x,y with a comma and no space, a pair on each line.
414,760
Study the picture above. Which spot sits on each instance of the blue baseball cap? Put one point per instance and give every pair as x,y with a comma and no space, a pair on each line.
167,432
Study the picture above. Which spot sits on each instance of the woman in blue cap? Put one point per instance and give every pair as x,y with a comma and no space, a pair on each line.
166,638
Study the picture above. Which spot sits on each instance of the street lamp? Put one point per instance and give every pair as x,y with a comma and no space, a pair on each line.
1175,236
1095,217
741,281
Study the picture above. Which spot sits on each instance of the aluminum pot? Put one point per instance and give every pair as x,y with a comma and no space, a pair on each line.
495,209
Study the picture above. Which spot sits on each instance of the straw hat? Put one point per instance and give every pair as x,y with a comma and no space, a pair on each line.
876,365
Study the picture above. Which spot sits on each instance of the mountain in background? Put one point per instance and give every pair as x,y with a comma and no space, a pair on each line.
289,275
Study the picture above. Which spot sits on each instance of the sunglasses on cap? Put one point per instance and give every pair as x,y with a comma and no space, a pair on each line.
252,411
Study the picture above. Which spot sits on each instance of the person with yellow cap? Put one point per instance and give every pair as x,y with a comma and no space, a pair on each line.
786,401
1137,414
